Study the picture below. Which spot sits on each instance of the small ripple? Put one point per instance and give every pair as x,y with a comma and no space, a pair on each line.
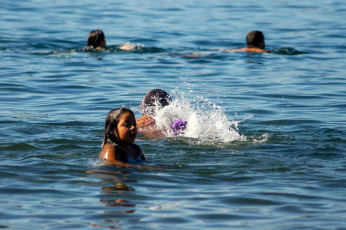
18,147
250,201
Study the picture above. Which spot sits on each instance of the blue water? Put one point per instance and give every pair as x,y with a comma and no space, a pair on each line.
280,166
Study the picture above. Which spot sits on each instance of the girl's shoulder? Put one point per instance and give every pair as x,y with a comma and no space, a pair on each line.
107,152
113,152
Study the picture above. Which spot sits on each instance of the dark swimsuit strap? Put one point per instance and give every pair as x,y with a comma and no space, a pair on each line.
121,155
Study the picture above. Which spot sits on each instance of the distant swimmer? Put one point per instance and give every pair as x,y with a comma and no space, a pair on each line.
96,39
255,43
120,133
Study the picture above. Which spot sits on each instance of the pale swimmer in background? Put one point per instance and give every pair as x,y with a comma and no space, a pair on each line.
97,41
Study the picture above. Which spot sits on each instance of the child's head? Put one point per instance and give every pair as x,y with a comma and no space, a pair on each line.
156,97
120,127
255,39
96,39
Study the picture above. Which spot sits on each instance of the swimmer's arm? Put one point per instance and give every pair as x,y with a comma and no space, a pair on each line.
127,165
246,49
257,50
225,50
127,46
233,50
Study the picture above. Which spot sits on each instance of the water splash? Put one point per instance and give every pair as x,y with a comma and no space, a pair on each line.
207,122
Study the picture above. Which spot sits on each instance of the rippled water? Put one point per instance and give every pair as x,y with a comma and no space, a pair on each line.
280,166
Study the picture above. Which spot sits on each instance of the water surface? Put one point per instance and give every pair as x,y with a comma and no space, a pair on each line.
280,166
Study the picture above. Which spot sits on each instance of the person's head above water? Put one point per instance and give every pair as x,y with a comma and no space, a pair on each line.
113,127
96,39
156,97
255,39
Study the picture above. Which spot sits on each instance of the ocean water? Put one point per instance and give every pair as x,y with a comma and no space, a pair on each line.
265,143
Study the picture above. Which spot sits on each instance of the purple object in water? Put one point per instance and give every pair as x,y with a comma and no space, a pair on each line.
178,127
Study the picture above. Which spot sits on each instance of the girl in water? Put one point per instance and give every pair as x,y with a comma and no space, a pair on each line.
120,133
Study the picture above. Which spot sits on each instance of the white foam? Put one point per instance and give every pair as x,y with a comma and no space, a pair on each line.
207,122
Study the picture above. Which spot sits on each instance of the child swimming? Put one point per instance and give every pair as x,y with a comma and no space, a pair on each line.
120,133
157,99
255,43
96,39
154,99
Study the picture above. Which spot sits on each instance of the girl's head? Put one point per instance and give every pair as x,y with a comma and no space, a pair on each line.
120,127
96,39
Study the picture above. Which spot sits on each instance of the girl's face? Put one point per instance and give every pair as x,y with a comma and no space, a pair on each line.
127,128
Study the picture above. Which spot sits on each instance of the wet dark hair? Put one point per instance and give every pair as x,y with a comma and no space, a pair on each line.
155,96
111,124
96,38
255,39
